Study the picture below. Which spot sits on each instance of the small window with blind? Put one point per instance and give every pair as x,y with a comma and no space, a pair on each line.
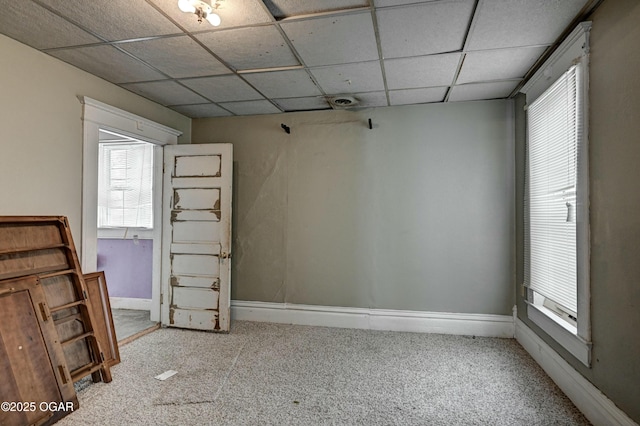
125,185
556,207
553,137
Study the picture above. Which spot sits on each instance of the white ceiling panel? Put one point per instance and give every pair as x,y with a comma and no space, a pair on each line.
165,92
250,48
478,91
501,64
386,3
223,89
109,63
283,84
423,71
233,13
201,110
417,96
37,27
303,104
517,23
116,19
350,78
334,40
424,29
251,107
286,8
295,53
176,56
371,99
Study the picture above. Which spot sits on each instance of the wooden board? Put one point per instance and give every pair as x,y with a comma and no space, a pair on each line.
103,327
33,368
43,246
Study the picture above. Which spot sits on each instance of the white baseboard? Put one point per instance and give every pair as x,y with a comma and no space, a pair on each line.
596,407
375,319
130,303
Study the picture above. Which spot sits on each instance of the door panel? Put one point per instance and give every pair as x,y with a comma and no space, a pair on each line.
197,236
196,231
197,199
196,264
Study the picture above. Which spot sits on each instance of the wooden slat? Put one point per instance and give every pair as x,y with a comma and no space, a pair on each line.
22,250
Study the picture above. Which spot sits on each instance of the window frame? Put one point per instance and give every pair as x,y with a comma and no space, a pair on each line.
575,339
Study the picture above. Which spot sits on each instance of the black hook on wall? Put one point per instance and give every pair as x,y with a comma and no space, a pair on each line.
370,124
286,128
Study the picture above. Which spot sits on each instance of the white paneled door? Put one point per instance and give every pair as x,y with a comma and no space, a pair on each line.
196,246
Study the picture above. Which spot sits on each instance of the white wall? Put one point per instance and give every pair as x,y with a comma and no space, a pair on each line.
41,131
416,214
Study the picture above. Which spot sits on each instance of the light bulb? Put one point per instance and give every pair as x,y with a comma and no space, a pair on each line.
186,6
213,19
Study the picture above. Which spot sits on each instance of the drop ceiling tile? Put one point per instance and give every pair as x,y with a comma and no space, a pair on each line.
333,40
386,3
417,96
424,29
349,78
222,89
201,110
250,48
233,13
116,19
283,84
521,22
251,107
303,104
39,28
287,8
165,92
109,63
176,56
479,91
501,64
371,99
423,71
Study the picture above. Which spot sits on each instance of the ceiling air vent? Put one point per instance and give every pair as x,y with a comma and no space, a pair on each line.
341,102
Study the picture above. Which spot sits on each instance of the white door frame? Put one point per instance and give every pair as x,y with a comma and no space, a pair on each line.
95,116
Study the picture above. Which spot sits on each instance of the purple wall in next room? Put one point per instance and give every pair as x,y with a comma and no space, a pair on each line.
127,266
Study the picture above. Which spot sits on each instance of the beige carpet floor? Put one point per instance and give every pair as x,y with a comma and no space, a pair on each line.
273,374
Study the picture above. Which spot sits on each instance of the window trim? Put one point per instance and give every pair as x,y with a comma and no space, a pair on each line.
577,341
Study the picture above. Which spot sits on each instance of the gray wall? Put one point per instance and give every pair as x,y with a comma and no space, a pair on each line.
615,205
416,214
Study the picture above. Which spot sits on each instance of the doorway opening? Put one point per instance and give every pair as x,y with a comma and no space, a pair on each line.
106,129
126,234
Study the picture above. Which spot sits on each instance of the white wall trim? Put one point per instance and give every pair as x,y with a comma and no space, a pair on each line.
124,121
95,116
130,303
375,319
596,407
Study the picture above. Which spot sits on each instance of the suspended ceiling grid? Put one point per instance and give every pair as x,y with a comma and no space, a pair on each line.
271,56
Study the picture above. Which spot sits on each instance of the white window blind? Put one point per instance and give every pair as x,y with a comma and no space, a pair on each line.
125,185
553,134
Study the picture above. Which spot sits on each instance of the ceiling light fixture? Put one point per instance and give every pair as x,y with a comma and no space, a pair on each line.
202,9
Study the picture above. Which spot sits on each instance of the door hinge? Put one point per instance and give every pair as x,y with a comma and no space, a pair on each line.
161,298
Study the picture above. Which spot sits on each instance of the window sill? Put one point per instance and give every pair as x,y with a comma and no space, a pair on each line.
563,333
125,233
